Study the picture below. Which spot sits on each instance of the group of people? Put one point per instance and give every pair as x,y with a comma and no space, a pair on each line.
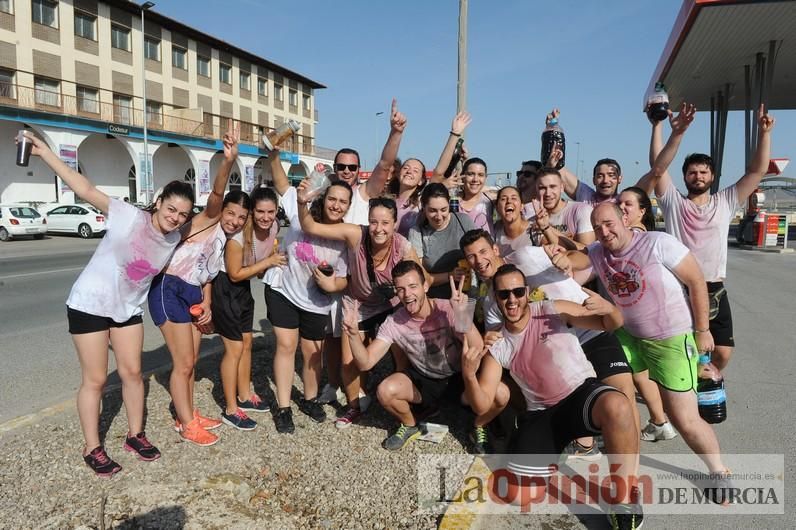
580,303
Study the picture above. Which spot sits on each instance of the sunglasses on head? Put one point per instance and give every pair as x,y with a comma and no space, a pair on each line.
386,202
521,173
518,293
342,167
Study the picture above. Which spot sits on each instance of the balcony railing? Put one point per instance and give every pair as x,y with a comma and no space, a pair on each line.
212,126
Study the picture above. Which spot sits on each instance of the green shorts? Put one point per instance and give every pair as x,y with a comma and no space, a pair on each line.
672,362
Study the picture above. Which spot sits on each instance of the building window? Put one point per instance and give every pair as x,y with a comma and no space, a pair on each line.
154,112
293,95
5,6
244,81
48,92
122,109
306,102
225,73
234,181
131,187
85,25
190,176
120,37
45,12
7,85
87,100
152,49
179,58
203,66
278,92
262,86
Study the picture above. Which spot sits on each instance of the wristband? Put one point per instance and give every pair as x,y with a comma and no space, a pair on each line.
457,135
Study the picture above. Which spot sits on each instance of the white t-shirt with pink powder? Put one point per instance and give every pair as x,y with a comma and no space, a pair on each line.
703,229
641,283
116,281
430,344
545,359
572,219
481,213
587,194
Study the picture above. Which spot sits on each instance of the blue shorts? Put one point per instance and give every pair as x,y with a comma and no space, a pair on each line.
170,298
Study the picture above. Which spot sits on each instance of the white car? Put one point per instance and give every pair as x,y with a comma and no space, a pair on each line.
18,220
80,219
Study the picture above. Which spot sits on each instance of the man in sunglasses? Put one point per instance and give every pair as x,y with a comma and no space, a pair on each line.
563,398
424,329
546,282
347,166
526,180
648,275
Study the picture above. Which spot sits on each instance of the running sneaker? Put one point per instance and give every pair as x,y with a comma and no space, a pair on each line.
626,517
139,445
652,432
351,415
195,434
254,404
205,423
313,409
239,420
576,451
283,420
330,394
100,463
480,440
402,436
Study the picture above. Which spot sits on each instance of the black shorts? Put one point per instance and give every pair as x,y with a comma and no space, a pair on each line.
431,390
605,353
285,314
370,326
232,306
80,322
721,324
542,435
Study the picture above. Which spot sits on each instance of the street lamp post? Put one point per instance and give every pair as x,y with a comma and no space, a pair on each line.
146,6
577,162
375,139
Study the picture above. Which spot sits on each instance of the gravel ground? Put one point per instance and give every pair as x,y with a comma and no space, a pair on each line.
319,477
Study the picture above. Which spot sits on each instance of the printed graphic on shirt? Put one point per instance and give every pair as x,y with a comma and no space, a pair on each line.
628,285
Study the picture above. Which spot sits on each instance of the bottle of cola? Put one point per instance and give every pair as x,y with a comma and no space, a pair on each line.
553,134
657,103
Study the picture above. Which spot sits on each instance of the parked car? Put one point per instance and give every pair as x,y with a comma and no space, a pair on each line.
17,220
80,219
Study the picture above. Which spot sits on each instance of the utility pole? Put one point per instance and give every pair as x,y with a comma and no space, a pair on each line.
461,87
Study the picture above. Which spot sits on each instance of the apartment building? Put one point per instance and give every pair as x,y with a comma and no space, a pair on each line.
73,71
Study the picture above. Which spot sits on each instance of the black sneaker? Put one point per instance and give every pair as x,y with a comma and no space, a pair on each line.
283,420
254,404
626,517
139,445
480,440
402,436
100,463
313,409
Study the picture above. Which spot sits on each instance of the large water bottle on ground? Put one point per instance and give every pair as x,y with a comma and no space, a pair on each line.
711,394
553,134
657,103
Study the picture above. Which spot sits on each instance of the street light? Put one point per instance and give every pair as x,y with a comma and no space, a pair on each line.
577,163
146,6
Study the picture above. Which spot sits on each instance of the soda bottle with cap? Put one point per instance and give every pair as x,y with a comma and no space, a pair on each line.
657,103
711,393
279,135
553,134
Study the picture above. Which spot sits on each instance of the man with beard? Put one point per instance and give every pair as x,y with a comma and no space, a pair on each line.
701,220
424,329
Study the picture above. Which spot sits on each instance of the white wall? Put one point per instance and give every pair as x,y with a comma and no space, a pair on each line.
106,162
35,183
170,163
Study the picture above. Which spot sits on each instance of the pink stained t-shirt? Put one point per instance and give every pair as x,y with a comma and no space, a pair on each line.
430,344
198,260
573,219
587,194
359,287
545,359
480,214
641,283
703,229
407,216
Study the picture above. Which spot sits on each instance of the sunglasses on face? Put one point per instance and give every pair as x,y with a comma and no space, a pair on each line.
342,167
504,294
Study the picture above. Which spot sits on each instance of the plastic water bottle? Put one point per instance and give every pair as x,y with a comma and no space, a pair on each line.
553,134
711,394
318,182
657,103
455,195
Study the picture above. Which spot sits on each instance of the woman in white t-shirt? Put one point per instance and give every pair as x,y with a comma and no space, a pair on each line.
248,253
298,295
105,303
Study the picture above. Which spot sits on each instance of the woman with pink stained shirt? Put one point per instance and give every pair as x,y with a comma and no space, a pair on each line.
105,304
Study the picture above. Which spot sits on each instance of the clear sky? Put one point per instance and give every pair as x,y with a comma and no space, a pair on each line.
591,59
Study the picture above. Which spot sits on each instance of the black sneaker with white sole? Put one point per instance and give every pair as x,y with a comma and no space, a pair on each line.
313,409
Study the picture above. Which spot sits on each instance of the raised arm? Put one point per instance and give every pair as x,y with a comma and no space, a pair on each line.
230,140
459,124
281,183
751,180
660,178
595,313
82,187
647,181
376,182
350,233
689,273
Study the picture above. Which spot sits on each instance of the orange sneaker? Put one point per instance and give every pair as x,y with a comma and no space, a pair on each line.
196,435
206,423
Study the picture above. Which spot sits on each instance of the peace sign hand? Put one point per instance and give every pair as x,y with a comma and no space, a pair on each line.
230,140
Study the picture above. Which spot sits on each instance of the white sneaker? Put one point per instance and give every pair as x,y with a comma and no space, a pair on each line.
653,433
329,394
